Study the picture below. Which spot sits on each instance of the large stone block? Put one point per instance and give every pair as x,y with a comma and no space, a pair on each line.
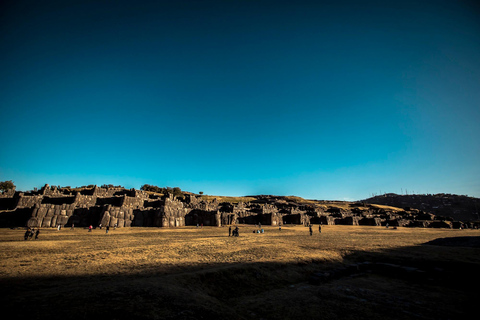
121,223
105,219
121,215
50,212
62,220
53,222
113,221
34,222
46,222
42,212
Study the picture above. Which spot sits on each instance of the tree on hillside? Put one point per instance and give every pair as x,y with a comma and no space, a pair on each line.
177,192
7,185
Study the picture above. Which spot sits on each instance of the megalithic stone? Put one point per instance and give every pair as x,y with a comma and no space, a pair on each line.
120,223
46,222
53,223
113,221
34,222
105,220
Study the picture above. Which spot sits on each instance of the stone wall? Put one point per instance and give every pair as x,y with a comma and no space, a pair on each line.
52,206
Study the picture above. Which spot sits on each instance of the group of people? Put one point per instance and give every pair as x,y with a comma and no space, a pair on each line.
31,232
107,228
234,232
311,230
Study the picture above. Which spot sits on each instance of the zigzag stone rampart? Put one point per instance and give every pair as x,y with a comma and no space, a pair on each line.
120,207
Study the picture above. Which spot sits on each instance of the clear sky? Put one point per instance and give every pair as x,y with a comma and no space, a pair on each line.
319,99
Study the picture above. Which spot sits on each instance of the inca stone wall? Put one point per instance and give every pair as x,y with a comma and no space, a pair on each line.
53,206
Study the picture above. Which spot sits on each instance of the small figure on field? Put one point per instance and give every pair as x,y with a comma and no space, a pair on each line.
73,226
30,236
229,231
115,227
310,229
27,234
59,227
320,228
90,228
37,233
235,232
108,228
386,225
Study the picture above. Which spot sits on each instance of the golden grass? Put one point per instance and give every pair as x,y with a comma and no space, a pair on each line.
133,250
182,273
386,207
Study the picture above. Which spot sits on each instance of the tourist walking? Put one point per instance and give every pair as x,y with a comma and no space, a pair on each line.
37,233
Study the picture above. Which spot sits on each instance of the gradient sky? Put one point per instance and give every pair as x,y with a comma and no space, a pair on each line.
319,99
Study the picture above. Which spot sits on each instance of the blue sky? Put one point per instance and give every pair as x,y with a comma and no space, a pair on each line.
319,99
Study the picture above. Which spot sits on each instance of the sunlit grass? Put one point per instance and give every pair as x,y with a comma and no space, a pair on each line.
133,250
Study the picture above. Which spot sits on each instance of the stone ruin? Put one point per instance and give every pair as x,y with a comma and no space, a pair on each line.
117,206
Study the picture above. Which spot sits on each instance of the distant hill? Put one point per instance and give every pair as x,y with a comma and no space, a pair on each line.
456,207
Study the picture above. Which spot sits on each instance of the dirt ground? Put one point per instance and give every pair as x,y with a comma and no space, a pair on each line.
345,272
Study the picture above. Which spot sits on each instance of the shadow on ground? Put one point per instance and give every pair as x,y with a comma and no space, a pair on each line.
433,281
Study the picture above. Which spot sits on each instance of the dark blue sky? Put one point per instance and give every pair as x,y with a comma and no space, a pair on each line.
320,99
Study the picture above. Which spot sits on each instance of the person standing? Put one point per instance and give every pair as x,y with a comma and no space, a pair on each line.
310,229
320,228
37,233
108,228
90,228
229,231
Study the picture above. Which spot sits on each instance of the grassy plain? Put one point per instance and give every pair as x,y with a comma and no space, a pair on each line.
201,273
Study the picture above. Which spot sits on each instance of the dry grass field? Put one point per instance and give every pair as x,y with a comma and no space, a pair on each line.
346,272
